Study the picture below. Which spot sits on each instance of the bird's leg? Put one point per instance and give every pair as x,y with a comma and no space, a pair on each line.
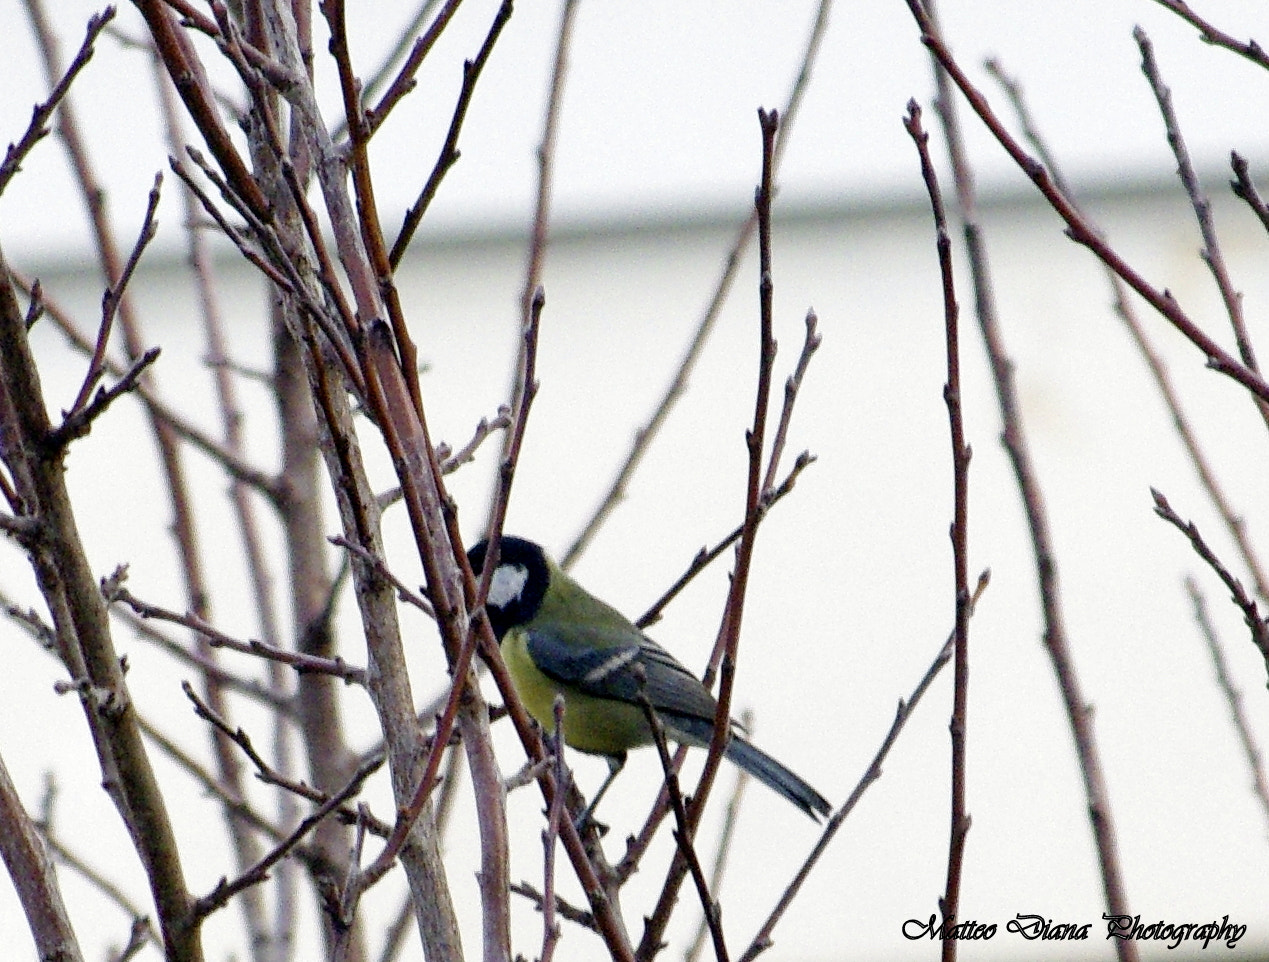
615,764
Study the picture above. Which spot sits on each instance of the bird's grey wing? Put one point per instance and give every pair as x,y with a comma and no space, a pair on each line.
588,661
671,687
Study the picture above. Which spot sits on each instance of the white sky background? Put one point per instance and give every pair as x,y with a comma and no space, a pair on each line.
659,120
659,114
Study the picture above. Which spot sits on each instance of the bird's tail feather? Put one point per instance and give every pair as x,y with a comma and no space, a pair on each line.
698,731
777,777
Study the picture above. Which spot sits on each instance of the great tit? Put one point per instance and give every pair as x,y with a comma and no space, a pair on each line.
557,638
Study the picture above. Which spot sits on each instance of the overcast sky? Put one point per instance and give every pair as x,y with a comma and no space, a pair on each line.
661,98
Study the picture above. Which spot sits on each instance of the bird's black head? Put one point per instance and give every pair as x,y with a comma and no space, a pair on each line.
519,582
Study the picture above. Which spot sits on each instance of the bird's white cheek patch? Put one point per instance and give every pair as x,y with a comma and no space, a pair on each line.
508,581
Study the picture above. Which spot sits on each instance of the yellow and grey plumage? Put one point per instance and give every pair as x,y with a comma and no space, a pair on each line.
557,638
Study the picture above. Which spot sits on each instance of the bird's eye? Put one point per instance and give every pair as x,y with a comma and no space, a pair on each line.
507,585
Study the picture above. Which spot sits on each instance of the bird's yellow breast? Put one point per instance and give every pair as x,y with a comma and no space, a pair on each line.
601,726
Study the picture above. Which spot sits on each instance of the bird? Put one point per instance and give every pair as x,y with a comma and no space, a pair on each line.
558,639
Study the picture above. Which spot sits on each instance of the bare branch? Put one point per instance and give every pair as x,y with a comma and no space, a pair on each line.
403,591
1233,697
646,434
404,81
810,344
726,836
683,834
546,177
1210,34
225,889
1247,604
187,73
84,642
555,813
705,557
1014,438
38,129
1245,189
1211,252
1078,227
449,151
1125,307
762,941
564,908
300,661
949,904
727,643
234,465
80,420
34,879
111,300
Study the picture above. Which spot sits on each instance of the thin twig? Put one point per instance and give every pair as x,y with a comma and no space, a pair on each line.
225,889
64,573
280,703
35,304
266,773
1126,308
810,344
187,73
449,150
326,267
1218,38
235,236
684,832
445,722
762,941
1211,252
646,434
727,643
191,16
344,920
281,268
1080,230
402,46
1233,697
1246,604
140,934
113,297
525,395
726,836
1245,189
79,421
268,938
703,558
565,909
38,129
394,938
217,639
551,834
638,844
404,81
451,462
1078,711
233,464
546,155
112,890
404,592
949,904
